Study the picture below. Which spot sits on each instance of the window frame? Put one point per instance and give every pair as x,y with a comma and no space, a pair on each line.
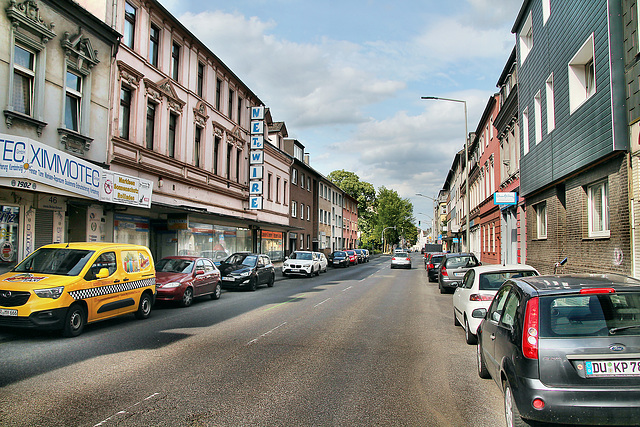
175,60
172,135
582,75
540,210
603,188
197,146
125,111
129,26
73,94
27,74
150,131
200,79
525,38
551,108
154,45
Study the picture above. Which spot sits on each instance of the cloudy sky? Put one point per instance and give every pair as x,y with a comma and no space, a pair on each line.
346,77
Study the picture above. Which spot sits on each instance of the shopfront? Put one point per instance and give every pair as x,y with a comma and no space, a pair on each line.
272,244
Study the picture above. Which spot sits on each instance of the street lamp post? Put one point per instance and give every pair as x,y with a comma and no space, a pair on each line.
385,229
433,219
466,160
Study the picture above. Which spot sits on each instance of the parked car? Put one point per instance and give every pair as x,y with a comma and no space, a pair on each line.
453,268
477,290
401,259
339,259
301,262
432,264
564,349
64,286
363,255
215,256
246,270
322,259
353,257
183,278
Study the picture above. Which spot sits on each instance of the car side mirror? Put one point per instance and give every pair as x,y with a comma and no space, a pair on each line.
104,272
479,313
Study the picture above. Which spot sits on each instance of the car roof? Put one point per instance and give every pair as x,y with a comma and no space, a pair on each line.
94,246
488,268
458,254
189,257
570,283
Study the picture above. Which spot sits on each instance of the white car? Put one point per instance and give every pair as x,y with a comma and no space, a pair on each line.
322,259
401,260
477,290
301,262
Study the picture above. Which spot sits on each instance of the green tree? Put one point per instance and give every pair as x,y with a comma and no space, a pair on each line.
394,211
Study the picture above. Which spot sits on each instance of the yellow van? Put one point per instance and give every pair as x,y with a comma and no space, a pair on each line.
67,285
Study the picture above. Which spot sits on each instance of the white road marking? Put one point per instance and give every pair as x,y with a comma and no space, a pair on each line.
266,333
346,289
320,303
125,411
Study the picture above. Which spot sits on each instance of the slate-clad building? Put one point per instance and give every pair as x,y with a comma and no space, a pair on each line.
573,134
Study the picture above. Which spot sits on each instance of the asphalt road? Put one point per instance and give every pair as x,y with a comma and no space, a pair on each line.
363,346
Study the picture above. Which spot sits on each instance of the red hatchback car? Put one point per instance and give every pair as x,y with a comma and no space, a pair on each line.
353,257
183,278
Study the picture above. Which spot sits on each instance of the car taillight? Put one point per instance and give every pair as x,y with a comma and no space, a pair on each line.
480,297
393,258
598,291
430,266
408,259
444,271
530,333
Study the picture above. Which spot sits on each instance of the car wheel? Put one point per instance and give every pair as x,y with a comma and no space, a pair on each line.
511,413
144,308
469,336
187,298
455,318
482,367
217,292
310,273
253,284
442,291
271,281
74,321
318,272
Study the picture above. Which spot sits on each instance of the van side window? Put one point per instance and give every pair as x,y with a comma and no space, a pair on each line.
106,260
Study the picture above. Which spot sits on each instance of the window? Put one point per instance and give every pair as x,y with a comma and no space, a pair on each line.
269,180
196,147
154,45
537,117
582,76
598,209
125,112
278,189
151,124
308,184
24,67
200,78
238,162
302,211
302,180
173,124
285,199
216,153
230,109
541,220
294,176
218,93
551,112
175,61
239,118
525,129
73,103
229,148
129,24
546,11
294,209
308,213
526,39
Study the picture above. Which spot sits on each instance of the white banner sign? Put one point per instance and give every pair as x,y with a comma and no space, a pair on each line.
125,189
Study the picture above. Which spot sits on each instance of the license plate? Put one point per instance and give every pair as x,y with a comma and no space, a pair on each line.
6,312
336,262
458,274
613,368
228,279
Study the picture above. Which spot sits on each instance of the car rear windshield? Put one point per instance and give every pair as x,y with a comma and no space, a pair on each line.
492,281
401,255
436,259
173,265
60,261
590,315
460,262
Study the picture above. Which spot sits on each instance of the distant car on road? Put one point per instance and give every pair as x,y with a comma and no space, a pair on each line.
246,270
564,349
339,259
478,287
322,260
353,257
453,268
363,256
183,278
431,264
401,260
301,262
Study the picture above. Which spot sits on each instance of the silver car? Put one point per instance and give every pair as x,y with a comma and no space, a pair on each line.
400,260
453,268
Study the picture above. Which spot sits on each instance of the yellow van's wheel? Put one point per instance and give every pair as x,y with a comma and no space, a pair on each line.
74,320
144,309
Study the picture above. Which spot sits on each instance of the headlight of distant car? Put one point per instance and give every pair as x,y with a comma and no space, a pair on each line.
53,293
170,285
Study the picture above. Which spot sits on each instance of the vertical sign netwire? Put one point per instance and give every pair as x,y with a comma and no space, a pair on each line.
256,158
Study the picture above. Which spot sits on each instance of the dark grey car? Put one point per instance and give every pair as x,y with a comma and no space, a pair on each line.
453,268
564,349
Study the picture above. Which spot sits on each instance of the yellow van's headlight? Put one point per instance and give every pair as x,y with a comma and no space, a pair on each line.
53,293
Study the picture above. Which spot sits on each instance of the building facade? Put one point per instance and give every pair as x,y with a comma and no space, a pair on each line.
573,136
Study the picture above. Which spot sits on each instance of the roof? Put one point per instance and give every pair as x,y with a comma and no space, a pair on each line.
94,246
490,268
570,283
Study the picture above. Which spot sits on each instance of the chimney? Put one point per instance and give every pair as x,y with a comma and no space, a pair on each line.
306,158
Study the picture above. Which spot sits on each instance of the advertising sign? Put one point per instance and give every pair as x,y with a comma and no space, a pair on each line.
125,189
505,198
256,157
